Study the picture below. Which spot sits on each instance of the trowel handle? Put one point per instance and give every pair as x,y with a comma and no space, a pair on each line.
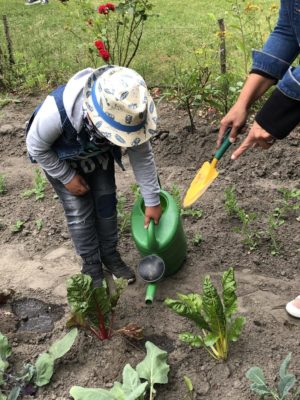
224,146
151,238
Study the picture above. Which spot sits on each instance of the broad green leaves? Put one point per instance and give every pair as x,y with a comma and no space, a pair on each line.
5,352
153,369
286,382
45,362
212,315
91,307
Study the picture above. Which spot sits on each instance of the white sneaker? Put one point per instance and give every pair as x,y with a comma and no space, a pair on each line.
293,307
32,2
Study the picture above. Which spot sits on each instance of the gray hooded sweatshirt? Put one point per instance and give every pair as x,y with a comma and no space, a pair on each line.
46,129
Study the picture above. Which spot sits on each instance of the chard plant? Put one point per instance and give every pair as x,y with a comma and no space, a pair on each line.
14,385
286,383
93,309
136,382
39,186
212,314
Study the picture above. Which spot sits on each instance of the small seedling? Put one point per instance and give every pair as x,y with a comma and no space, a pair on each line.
231,205
135,190
152,370
275,220
197,239
18,226
286,382
211,315
39,187
190,388
3,189
39,224
32,375
192,212
123,215
93,309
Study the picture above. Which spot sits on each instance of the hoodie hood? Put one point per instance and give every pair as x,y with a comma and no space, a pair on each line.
73,97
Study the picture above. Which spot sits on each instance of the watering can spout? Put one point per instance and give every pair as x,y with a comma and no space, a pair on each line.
150,293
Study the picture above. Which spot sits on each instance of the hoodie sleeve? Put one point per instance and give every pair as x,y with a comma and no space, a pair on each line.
44,131
143,165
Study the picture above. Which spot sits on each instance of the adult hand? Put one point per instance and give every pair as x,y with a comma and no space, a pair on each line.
257,137
235,119
152,213
77,186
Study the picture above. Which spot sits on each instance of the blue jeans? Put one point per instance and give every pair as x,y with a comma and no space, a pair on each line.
92,218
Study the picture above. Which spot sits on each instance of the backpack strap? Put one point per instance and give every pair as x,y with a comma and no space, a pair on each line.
66,123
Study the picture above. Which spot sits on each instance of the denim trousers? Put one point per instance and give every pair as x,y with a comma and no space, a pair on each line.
92,218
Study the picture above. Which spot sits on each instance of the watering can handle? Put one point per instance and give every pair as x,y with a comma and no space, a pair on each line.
224,146
151,239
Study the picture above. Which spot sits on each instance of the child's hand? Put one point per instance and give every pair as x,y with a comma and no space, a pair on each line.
152,213
77,186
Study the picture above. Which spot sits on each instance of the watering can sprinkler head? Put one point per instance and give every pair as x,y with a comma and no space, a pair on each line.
151,269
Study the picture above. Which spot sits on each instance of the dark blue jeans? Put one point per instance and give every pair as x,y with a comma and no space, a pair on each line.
92,218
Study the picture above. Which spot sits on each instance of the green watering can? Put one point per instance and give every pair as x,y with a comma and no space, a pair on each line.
163,246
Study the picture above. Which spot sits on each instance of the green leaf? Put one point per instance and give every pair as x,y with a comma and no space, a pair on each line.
213,309
2,396
229,292
5,349
188,383
45,362
189,306
80,393
284,366
210,339
62,346
14,393
256,376
235,329
44,369
27,373
5,352
154,367
79,289
132,386
286,384
191,339
120,286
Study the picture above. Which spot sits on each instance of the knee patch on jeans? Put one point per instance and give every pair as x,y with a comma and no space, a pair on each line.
106,205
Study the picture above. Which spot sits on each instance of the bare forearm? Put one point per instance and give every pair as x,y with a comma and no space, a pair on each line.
255,86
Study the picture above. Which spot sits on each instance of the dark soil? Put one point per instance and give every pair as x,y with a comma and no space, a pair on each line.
35,264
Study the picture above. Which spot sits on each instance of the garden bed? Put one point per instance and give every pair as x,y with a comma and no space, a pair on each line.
36,262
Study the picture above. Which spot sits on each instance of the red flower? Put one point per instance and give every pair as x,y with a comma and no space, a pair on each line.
103,9
111,6
102,50
104,54
99,44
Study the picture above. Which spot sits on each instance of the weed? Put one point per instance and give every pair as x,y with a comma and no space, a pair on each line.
39,186
197,239
275,220
190,388
18,226
3,188
136,191
39,224
192,212
123,215
291,199
231,205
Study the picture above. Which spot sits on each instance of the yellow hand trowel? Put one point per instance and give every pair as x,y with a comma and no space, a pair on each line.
206,174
